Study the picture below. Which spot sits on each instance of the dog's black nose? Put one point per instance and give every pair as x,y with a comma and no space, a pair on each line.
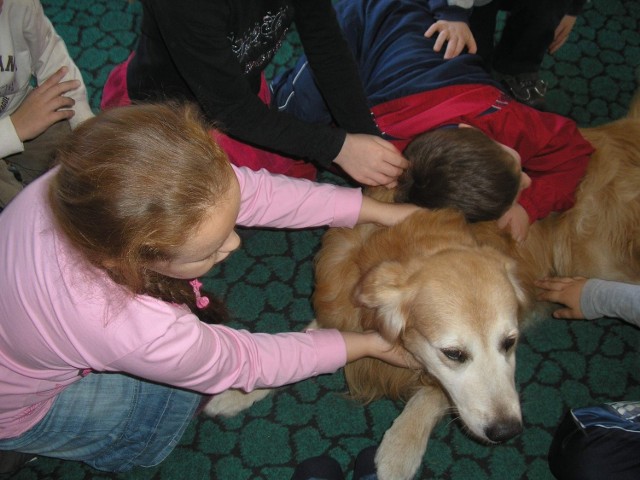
504,430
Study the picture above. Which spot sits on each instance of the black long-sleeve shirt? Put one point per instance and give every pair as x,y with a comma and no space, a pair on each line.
214,51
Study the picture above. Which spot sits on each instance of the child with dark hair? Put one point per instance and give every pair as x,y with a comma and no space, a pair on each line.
414,89
102,358
443,172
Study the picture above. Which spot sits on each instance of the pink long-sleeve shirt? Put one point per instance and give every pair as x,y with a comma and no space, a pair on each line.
59,316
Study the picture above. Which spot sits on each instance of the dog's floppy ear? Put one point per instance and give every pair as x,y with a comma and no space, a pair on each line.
512,274
383,288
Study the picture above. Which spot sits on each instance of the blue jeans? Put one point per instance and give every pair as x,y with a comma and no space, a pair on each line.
112,422
295,92
598,442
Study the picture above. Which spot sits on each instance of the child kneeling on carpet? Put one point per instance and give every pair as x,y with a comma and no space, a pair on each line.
102,254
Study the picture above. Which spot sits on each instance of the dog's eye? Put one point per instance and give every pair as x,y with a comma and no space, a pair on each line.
455,354
508,344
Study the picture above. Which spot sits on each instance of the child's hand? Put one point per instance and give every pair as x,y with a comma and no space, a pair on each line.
562,32
44,106
371,344
564,290
516,221
457,34
371,160
374,211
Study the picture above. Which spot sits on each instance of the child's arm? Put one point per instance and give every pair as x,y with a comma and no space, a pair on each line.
562,32
592,298
212,358
373,211
269,200
49,53
44,106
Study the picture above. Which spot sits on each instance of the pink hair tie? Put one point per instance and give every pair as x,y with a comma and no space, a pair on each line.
201,300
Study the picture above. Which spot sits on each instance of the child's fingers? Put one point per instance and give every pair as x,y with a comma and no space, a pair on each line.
431,30
442,37
64,87
63,114
565,313
553,282
560,313
453,49
53,86
61,102
472,47
548,296
544,283
54,78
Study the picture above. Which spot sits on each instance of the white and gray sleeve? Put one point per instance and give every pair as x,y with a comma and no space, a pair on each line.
601,298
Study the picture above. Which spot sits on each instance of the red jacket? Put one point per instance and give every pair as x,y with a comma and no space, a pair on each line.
554,153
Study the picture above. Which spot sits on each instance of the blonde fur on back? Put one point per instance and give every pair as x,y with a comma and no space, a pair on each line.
434,272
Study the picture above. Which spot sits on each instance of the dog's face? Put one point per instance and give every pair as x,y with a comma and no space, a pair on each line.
457,312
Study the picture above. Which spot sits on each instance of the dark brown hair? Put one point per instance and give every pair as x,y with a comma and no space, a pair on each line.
133,183
461,168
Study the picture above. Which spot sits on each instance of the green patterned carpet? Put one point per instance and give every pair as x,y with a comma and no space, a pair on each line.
269,282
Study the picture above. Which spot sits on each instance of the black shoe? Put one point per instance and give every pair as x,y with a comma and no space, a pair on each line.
11,462
365,466
527,88
318,468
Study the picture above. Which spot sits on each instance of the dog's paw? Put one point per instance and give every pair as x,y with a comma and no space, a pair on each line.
395,461
403,445
232,402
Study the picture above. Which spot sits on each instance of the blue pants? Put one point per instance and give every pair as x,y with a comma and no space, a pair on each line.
295,92
112,422
595,443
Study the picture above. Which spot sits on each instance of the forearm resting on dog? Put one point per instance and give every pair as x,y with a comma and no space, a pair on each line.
371,344
382,213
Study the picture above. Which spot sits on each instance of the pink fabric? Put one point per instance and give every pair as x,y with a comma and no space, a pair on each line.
267,201
60,317
115,94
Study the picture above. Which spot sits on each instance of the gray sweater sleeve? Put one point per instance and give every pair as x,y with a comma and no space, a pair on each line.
602,298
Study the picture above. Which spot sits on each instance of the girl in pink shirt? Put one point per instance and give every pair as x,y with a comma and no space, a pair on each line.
102,359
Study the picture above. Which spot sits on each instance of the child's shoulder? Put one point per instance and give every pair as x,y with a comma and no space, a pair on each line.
21,9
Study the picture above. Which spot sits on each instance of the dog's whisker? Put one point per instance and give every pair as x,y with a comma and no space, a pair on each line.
453,419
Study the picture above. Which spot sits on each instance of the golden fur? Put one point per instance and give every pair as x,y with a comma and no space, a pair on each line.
438,285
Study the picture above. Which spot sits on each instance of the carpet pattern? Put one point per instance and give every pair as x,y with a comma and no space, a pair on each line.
268,285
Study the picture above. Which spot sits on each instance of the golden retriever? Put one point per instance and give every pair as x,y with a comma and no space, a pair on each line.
455,296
